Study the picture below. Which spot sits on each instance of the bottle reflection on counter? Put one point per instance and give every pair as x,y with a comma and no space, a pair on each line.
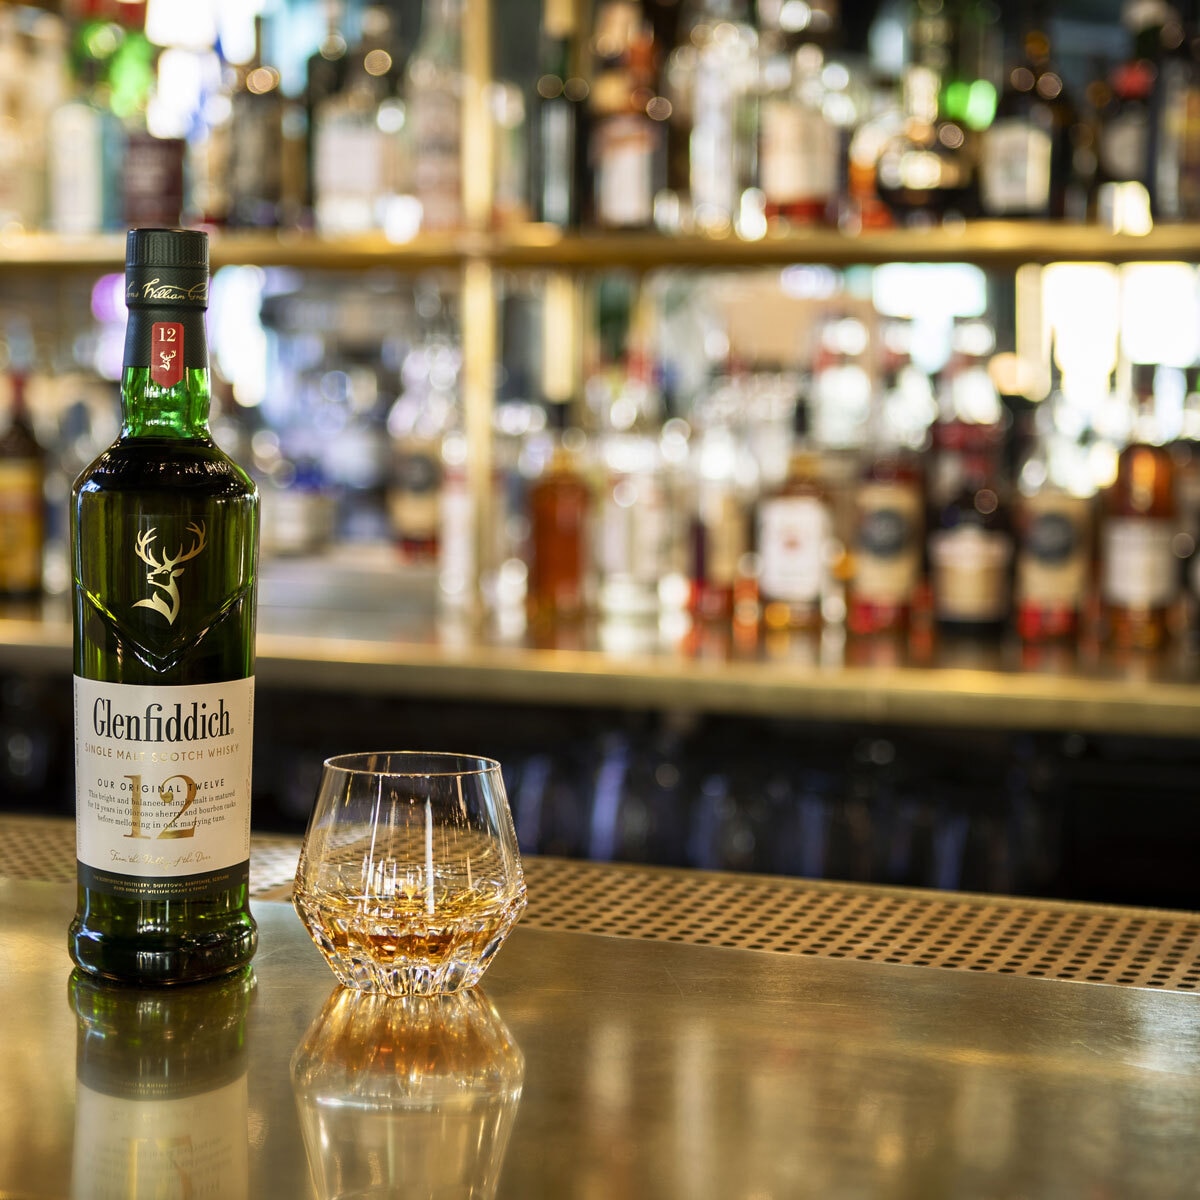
161,1094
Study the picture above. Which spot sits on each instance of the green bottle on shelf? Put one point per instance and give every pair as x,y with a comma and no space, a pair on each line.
164,542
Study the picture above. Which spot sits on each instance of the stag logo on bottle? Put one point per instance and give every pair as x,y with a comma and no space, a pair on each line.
167,568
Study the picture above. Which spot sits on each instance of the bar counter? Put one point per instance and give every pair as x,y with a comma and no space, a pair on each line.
644,1033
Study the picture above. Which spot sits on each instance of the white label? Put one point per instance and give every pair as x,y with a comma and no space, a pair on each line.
1015,174
624,172
1139,566
970,573
192,1146
793,534
799,153
162,786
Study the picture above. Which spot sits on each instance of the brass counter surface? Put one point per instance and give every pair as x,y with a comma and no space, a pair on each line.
407,653
647,1068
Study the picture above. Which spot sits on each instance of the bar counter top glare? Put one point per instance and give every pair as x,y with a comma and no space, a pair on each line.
680,1034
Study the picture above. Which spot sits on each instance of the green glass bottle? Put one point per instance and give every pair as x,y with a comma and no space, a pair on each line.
164,536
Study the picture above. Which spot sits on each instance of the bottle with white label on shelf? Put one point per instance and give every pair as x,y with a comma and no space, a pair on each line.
627,139
1139,571
794,526
164,545
1026,154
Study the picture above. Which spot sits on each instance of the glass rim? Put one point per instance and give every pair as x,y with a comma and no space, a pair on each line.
355,762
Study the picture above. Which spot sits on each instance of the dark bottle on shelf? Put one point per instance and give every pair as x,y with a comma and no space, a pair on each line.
1139,572
1176,170
888,539
325,75
970,552
164,543
558,129
1127,144
22,501
559,504
924,172
1026,154
256,145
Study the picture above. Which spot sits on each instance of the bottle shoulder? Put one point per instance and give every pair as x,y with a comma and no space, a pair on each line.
194,465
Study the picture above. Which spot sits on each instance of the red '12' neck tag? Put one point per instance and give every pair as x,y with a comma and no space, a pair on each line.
166,353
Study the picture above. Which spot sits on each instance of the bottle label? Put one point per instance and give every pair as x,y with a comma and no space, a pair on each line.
1052,566
21,525
1140,569
970,574
166,363
1015,168
799,153
162,787
625,149
793,535
886,560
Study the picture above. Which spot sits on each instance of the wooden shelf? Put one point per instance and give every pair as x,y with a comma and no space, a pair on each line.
541,247
382,655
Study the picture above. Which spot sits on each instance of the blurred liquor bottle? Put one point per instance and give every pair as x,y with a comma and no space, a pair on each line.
1139,575
1176,191
22,500
558,130
324,76
887,549
799,149
1128,143
713,73
971,550
923,173
794,526
559,512
627,135
358,151
435,118
1054,546
1027,154
86,146
723,478
631,517
256,143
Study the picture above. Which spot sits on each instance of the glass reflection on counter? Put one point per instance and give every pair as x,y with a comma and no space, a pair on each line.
161,1093
412,1093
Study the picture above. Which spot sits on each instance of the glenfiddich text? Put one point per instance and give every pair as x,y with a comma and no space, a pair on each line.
152,726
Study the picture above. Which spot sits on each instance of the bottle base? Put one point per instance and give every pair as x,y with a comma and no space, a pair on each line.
163,959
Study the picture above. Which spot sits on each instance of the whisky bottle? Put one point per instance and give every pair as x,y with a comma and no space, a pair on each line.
435,115
795,536
1026,153
559,509
22,502
1139,577
557,128
164,544
888,537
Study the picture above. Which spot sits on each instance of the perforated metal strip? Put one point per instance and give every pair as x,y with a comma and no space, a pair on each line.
1009,936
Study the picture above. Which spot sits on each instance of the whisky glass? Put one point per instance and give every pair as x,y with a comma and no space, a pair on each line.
412,1096
409,877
